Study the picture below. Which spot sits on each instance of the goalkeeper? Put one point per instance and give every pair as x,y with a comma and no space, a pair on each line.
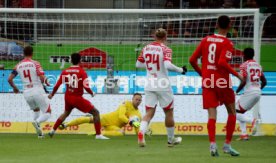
113,122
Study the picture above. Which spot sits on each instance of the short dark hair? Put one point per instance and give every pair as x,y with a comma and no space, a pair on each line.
28,51
223,21
137,94
248,53
75,58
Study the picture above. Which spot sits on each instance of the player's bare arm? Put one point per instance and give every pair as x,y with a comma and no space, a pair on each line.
44,80
263,81
59,82
241,86
10,80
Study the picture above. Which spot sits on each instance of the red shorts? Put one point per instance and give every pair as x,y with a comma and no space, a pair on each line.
78,102
213,97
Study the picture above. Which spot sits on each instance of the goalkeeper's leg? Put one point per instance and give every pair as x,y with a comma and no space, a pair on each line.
77,121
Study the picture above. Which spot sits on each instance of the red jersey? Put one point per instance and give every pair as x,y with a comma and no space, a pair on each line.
75,79
215,52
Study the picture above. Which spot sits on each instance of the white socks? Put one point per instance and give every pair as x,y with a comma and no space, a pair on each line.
243,128
144,126
36,115
170,132
243,119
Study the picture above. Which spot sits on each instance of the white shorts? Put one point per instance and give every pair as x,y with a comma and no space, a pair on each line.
248,100
165,99
37,98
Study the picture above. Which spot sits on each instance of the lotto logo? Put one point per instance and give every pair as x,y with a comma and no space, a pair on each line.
47,127
198,128
5,124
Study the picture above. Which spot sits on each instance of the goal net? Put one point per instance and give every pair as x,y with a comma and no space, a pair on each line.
110,41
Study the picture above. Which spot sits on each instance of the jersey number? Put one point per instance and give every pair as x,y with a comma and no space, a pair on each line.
153,59
212,53
255,75
27,74
73,81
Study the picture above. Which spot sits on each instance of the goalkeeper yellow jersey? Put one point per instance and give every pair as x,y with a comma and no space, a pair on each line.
120,117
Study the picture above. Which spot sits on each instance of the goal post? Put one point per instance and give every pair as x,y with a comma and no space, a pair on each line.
118,33
110,41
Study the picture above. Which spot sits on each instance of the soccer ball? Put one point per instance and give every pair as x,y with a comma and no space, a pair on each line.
134,118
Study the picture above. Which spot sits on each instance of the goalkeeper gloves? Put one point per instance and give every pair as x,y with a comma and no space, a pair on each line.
134,123
184,70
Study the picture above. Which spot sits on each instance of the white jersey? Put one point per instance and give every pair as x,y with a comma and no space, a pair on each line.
29,72
252,72
154,55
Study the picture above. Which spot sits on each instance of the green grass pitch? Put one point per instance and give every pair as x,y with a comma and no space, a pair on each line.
81,148
125,55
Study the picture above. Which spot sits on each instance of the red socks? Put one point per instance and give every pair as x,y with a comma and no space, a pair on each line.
212,130
230,127
98,128
58,122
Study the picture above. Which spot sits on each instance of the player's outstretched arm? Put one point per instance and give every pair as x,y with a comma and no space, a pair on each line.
10,80
171,67
59,82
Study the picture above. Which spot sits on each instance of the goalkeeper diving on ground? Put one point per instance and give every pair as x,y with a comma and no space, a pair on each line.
113,123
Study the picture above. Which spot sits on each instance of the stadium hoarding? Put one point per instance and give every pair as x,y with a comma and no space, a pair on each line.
90,58
93,58
190,118
133,81
157,128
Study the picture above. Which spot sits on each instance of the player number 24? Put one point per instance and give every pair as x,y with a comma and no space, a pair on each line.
153,59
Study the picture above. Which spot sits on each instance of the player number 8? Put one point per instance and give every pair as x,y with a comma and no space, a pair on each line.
212,53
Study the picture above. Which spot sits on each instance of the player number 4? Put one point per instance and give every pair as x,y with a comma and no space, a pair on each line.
27,74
